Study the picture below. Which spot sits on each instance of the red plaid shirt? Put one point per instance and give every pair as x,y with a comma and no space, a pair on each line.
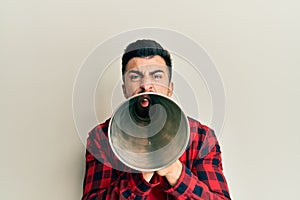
201,176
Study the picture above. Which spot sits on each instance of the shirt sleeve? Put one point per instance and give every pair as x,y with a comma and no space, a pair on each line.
205,179
102,180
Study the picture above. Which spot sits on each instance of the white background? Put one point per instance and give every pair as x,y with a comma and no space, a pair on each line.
254,44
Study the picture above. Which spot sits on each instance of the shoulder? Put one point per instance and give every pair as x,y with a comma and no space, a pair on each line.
99,130
197,127
203,137
97,139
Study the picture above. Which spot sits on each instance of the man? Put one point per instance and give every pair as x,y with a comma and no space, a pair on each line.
197,174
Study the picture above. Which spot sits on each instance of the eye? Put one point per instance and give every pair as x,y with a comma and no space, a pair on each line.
134,77
157,76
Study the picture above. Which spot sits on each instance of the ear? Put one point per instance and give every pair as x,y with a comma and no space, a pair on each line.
170,89
124,91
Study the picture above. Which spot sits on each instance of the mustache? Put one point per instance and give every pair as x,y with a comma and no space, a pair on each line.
142,90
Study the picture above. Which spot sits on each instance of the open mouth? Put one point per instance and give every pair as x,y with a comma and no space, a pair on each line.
144,101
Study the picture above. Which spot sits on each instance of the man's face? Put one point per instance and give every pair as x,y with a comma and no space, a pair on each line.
148,74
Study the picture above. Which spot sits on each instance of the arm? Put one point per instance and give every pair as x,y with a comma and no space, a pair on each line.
105,177
204,181
201,176
103,182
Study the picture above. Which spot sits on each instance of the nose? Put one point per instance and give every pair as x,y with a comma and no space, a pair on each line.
146,85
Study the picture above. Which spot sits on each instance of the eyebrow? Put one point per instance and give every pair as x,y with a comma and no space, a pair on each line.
150,73
135,71
156,71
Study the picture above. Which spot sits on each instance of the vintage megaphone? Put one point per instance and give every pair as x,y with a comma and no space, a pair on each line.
148,132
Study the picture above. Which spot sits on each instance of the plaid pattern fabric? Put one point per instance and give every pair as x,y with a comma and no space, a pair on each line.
201,177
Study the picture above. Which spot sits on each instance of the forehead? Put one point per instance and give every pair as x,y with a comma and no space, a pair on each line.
137,62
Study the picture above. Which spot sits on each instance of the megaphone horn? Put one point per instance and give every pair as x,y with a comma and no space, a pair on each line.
148,132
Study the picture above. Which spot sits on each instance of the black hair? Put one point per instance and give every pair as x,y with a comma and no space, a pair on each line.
145,48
